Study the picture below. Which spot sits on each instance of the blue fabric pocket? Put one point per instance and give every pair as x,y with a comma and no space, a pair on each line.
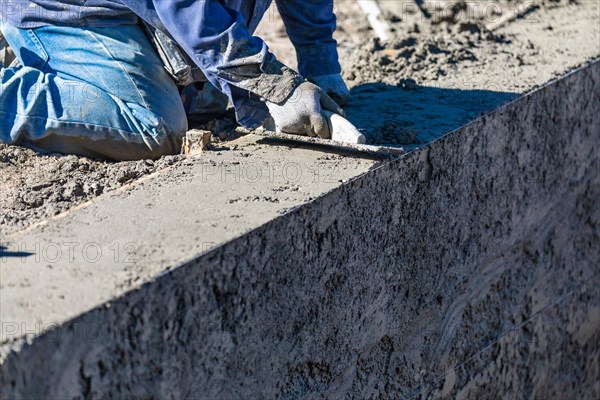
26,45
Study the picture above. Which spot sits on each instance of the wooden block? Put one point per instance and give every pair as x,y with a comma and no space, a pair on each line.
196,141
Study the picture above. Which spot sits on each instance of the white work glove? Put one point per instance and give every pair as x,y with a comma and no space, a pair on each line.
302,112
334,86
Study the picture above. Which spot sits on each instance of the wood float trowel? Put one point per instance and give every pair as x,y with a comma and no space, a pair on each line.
344,136
342,130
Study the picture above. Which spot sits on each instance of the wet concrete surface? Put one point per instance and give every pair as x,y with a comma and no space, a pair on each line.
464,269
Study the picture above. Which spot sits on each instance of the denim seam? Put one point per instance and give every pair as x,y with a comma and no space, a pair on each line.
40,48
70,122
143,100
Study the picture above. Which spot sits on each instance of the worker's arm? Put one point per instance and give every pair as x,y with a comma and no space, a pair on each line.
239,64
310,25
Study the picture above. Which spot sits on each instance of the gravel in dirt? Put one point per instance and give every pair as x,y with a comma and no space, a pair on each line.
36,186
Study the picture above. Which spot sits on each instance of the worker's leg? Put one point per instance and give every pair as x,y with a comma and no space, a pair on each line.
99,92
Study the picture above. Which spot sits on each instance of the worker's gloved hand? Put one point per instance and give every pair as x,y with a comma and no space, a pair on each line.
302,112
334,86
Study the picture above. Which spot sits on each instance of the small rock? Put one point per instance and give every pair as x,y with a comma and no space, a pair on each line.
72,189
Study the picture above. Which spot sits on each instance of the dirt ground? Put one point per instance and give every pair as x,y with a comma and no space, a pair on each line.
445,64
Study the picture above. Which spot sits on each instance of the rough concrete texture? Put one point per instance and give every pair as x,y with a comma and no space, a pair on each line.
93,254
466,269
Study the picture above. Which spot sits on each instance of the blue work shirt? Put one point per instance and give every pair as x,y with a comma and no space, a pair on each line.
217,37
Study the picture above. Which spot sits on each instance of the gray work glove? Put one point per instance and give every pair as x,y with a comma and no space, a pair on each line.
302,112
334,86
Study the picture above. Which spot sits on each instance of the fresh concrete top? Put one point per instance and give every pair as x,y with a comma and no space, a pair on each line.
67,265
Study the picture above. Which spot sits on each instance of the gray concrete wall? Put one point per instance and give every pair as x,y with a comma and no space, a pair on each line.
467,269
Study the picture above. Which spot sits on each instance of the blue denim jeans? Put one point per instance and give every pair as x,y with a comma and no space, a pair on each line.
96,92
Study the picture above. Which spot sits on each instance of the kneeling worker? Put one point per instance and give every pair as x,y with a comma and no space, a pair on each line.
114,79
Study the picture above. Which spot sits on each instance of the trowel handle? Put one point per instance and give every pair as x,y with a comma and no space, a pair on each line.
342,130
